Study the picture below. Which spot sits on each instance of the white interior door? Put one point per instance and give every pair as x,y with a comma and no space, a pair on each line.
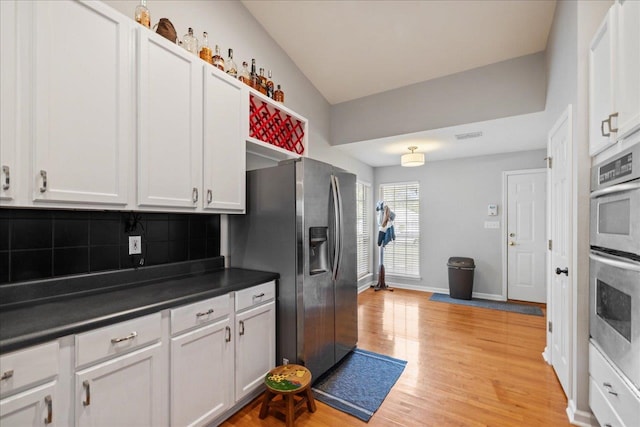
560,231
526,228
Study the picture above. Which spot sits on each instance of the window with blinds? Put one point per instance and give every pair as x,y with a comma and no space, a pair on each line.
363,217
402,256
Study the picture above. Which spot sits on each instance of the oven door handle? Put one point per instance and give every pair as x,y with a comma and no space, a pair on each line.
614,262
619,188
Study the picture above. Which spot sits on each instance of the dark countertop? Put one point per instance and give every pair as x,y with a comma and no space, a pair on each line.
27,325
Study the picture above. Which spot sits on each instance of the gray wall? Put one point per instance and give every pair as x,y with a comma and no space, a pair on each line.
230,25
454,195
508,88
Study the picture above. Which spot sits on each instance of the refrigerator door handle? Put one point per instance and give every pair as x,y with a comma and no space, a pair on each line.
340,235
336,220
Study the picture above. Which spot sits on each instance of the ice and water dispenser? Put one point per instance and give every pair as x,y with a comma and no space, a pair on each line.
318,250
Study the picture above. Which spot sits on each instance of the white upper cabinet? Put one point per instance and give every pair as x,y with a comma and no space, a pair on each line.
82,109
614,77
170,124
601,72
627,82
225,119
8,100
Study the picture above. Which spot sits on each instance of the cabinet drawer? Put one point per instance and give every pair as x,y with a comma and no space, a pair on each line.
612,387
29,366
256,295
116,339
199,313
600,406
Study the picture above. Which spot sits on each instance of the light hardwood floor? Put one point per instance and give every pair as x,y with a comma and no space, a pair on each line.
467,366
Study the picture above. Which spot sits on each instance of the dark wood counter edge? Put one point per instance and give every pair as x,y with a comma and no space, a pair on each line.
38,337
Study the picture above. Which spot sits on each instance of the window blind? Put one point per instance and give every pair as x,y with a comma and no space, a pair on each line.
363,234
403,255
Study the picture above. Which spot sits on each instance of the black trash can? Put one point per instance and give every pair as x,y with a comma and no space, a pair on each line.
461,277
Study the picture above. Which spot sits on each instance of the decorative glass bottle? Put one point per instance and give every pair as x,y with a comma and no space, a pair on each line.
278,95
255,82
230,65
205,51
245,77
142,15
218,61
190,42
262,82
269,85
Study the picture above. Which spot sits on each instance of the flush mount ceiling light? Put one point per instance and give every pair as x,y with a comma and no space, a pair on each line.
412,159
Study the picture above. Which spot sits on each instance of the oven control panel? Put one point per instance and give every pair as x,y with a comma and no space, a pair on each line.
617,170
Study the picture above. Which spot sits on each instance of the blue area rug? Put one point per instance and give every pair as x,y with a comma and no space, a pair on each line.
494,305
359,383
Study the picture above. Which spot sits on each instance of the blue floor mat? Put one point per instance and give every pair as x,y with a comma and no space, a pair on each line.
494,305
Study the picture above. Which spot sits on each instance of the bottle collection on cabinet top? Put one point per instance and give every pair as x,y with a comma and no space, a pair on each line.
190,42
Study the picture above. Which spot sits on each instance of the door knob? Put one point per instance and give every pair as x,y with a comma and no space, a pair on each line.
512,243
565,271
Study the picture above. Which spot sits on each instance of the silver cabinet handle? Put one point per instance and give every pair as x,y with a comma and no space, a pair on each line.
228,332
607,385
258,296
49,402
87,390
7,177
241,327
194,195
612,392
602,127
205,313
209,196
611,116
131,336
43,174
6,375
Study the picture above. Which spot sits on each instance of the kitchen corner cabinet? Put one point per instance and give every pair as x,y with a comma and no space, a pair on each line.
614,77
255,337
82,109
169,124
29,391
201,362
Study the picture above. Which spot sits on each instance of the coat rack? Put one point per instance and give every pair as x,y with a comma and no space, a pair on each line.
386,234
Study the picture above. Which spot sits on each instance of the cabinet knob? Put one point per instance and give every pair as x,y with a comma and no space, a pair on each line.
6,375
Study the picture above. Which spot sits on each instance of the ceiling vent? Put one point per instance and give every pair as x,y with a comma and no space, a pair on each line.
469,135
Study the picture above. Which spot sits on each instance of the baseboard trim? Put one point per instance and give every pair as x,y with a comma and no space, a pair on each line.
580,418
545,355
445,291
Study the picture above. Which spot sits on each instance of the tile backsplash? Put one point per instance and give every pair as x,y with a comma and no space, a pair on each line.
39,244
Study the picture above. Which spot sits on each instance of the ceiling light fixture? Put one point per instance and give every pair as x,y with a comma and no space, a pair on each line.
412,159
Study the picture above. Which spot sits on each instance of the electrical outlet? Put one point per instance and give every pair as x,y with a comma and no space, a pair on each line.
285,361
135,245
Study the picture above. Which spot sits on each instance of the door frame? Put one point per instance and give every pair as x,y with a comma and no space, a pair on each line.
504,238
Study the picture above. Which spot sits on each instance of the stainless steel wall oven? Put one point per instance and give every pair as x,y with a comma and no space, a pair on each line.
614,263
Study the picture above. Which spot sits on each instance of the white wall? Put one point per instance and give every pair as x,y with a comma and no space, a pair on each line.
507,88
230,25
454,195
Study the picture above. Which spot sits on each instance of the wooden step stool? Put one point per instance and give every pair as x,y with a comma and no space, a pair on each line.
293,383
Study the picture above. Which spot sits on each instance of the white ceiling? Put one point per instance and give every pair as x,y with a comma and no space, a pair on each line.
351,49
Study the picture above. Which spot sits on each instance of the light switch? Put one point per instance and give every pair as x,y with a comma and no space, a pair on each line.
492,210
135,245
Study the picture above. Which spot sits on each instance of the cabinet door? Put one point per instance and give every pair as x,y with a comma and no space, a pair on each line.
82,60
628,67
170,124
601,96
255,347
124,391
201,374
224,143
8,100
34,407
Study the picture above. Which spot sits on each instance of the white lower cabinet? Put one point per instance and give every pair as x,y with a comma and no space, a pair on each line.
201,363
124,391
206,361
29,391
255,337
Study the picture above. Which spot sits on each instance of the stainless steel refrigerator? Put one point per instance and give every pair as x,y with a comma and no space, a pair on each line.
301,223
